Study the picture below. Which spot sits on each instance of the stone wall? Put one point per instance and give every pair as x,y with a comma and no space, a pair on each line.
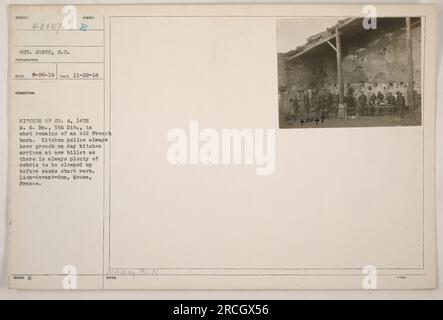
380,65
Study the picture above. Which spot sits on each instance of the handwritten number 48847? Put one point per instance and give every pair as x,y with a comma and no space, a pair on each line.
315,120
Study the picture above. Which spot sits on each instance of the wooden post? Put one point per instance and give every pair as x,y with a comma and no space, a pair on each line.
339,76
411,100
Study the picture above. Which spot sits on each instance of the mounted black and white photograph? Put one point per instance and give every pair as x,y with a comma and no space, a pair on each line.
349,72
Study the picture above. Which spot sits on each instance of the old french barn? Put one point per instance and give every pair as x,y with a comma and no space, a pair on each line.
350,74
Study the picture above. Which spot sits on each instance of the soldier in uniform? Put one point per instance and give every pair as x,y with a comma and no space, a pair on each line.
362,102
400,104
391,99
380,98
350,100
372,104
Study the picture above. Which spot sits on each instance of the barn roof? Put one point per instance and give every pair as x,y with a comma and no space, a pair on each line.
351,31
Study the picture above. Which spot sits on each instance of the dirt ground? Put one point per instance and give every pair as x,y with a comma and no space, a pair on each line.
361,121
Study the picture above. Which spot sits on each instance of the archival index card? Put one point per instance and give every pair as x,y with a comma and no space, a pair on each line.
222,147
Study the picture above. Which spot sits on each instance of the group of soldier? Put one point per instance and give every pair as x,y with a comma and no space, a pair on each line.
362,104
325,102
